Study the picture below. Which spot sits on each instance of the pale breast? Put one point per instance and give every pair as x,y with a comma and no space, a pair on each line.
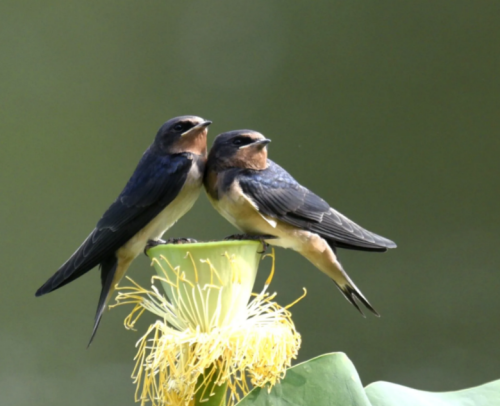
243,213
168,216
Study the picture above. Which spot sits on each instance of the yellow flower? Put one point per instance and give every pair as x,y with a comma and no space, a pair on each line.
210,335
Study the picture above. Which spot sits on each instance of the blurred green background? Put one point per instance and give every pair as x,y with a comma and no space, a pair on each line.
389,110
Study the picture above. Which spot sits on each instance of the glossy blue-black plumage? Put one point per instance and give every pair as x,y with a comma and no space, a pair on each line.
278,195
134,217
156,182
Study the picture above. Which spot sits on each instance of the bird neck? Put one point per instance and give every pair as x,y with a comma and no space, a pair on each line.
195,144
250,158
244,159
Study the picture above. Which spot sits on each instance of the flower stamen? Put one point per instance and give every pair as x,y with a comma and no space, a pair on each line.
208,337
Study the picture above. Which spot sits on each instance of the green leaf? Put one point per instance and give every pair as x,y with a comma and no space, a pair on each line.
390,394
328,380
332,380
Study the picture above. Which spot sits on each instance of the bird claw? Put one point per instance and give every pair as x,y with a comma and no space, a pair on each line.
151,244
261,238
154,243
183,240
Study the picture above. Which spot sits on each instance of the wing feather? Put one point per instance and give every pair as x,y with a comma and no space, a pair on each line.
280,196
155,183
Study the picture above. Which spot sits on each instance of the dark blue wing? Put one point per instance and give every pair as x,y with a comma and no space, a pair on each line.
280,196
155,183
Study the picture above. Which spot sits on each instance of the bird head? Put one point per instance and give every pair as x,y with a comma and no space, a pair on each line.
183,134
239,149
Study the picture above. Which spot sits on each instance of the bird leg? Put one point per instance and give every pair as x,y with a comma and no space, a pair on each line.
261,238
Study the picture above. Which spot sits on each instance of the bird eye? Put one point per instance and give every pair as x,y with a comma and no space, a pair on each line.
178,127
238,141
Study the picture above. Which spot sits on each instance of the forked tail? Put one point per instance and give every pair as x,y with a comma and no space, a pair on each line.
108,271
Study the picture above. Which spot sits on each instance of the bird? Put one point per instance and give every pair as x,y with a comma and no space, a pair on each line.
164,186
265,202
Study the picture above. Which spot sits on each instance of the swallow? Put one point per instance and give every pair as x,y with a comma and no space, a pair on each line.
260,198
164,186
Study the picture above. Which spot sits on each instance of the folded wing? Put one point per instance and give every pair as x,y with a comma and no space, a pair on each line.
278,195
155,183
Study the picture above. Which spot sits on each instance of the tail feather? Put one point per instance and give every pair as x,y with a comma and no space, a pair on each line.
323,255
83,260
349,289
353,295
333,268
108,270
66,274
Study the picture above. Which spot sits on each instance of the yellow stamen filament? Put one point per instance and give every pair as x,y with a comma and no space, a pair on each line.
194,266
198,335
212,272
271,275
297,300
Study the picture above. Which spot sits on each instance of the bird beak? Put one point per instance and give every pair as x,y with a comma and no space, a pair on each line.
197,128
259,143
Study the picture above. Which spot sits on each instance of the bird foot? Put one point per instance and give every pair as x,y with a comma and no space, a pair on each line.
181,241
261,238
154,243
